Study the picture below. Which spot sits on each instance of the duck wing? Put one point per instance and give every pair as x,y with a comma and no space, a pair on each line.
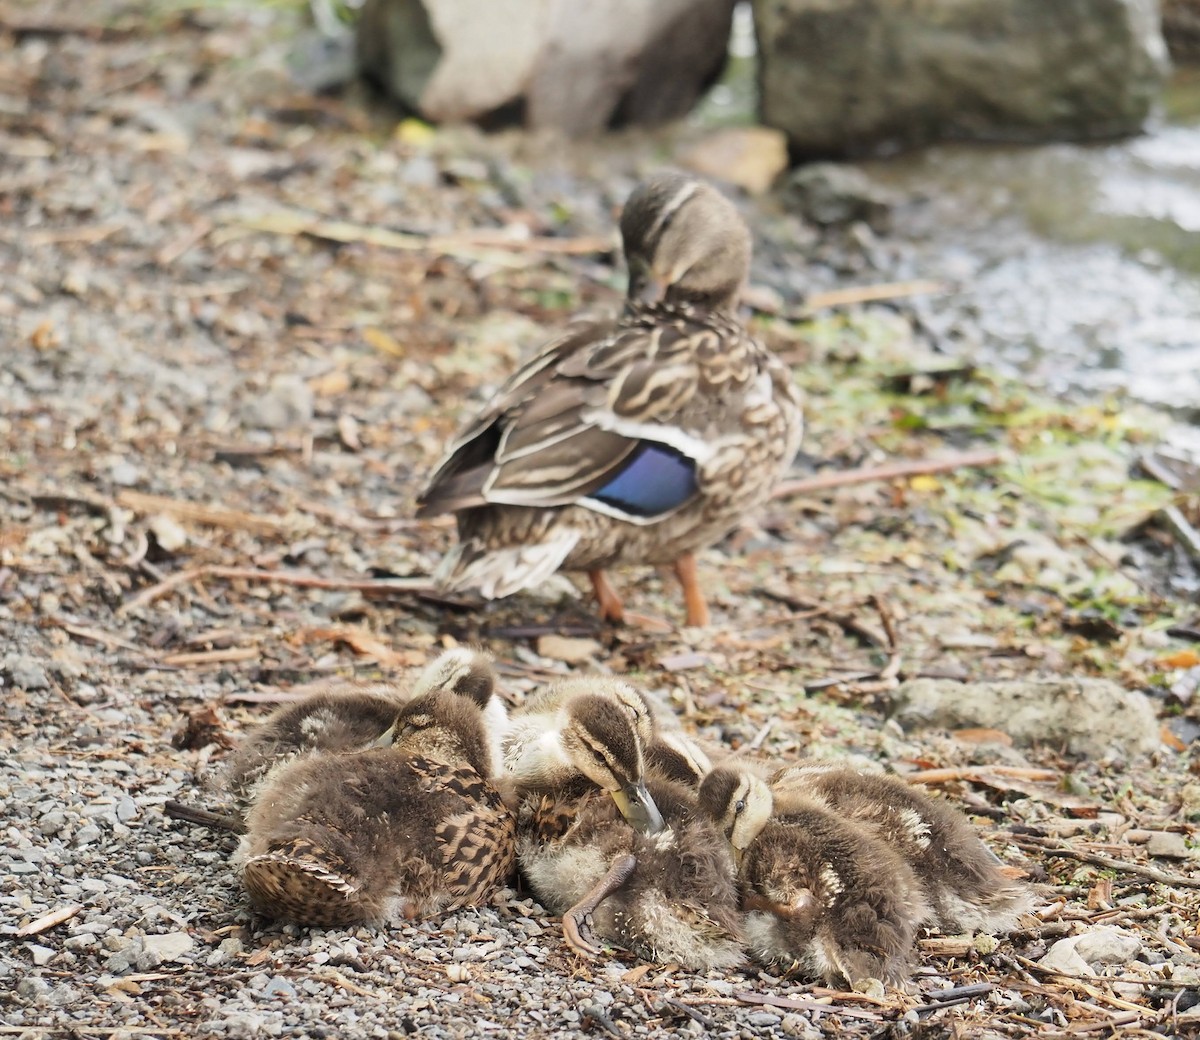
593,419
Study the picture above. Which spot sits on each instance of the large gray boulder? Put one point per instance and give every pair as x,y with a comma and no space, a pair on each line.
1181,27
847,77
579,66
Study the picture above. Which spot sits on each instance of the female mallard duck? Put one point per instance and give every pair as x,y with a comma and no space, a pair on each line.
410,827
967,888
347,716
821,894
660,887
640,441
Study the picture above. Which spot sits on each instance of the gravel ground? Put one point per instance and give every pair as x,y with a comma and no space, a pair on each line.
214,415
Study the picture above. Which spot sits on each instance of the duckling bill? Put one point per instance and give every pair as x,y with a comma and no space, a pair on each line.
639,441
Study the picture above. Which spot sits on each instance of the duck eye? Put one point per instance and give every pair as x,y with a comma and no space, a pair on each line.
739,806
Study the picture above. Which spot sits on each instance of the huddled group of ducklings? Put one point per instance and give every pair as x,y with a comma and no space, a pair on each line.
370,805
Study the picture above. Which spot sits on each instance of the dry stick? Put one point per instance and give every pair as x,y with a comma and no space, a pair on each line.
308,581
1056,848
191,814
869,294
213,516
945,776
888,471
48,921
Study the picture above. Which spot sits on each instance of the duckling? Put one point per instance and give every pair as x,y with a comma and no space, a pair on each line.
639,441
579,735
674,755
821,894
660,887
964,881
668,897
345,716
394,832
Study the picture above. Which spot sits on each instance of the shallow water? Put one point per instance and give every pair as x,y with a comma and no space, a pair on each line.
1076,264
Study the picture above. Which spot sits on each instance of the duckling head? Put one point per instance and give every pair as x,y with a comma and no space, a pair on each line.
672,755
684,243
600,740
625,696
442,725
464,671
739,802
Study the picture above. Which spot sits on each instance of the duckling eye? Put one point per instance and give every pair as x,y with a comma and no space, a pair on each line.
739,806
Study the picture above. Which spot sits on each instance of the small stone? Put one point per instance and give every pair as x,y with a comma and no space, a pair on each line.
41,954
33,989
1168,845
764,1019
288,402
87,834
83,941
25,672
278,986
1107,946
1063,956
168,532
125,473
126,809
568,649
169,947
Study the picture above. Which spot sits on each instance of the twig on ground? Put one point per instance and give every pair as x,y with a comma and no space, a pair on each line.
760,737
413,586
955,995
869,294
48,921
888,471
196,512
945,776
1060,848
193,814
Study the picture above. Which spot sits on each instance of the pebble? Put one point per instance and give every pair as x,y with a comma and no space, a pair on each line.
1168,845
25,672
761,1019
41,955
53,822
278,986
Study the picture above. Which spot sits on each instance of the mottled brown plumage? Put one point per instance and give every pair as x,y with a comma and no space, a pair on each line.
822,895
668,897
636,441
966,889
346,715
387,833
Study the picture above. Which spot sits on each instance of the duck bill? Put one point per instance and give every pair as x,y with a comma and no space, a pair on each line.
386,739
638,808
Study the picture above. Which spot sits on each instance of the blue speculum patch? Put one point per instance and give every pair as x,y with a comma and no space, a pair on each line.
655,480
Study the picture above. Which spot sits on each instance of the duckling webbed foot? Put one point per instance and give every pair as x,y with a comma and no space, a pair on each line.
577,922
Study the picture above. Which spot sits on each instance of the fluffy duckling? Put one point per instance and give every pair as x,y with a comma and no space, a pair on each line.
821,894
676,756
579,735
660,887
388,833
348,716
963,880
639,441
668,897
